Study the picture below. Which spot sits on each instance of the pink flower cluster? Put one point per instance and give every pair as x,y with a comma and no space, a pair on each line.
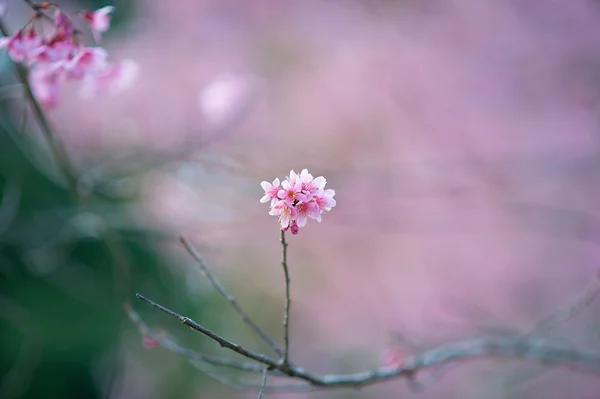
297,199
60,56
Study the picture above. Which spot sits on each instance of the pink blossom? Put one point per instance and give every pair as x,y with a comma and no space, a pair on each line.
98,20
150,343
271,191
294,227
60,55
113,78
226,98
277,208
88,60
122,75
62,23
21,45
59,48
293,178
44,84
305,179
291,193
309,184
285,212
300,197
307,210
318,183
324,199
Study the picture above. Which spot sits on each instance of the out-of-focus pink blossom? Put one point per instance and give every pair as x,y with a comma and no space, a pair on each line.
22,45
112,78
301,197
44,84
59,48
225,98
89,60
150,343
98,20
62,23
60,55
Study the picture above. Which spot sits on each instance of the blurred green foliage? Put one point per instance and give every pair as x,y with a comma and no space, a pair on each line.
65,268
65,272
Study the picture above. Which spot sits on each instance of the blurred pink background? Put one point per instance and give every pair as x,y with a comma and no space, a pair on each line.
462,139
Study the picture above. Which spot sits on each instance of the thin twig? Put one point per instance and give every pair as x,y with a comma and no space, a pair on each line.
570,310
220,340
232,301
39,10
189,354
264,383
286,315
203,361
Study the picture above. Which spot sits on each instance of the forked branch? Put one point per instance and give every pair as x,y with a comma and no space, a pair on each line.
228,297
545,351
532,346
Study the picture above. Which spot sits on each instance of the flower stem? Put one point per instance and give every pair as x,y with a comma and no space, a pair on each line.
286,315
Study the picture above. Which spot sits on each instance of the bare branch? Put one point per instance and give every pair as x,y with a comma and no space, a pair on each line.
220,340
189,354
202,361
232,301
543,350
538,349
286,315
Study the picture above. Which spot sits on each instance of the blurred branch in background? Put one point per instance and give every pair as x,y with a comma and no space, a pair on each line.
570,310
228,297
224,104
531,346
66,265
58,280
53,141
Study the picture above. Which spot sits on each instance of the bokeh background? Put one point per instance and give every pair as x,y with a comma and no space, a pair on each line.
462,139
